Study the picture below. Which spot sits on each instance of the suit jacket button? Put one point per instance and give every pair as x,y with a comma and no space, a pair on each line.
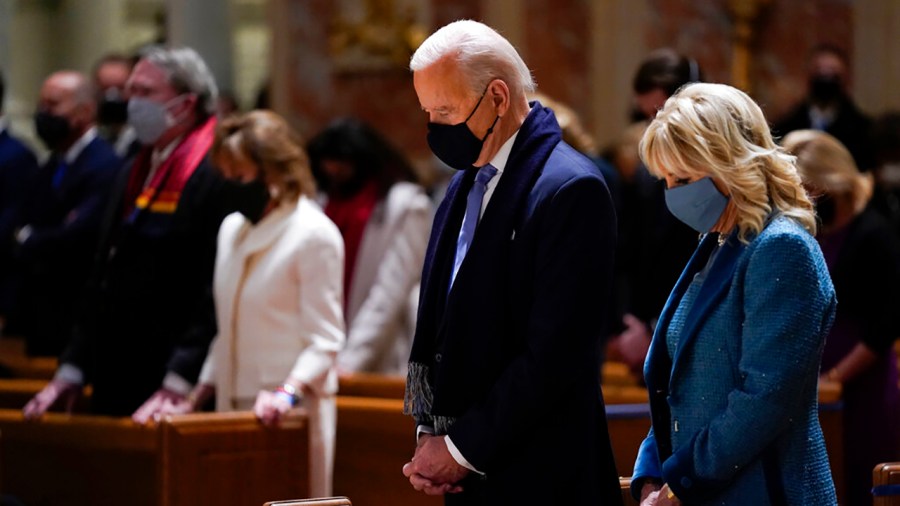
437,357
686,482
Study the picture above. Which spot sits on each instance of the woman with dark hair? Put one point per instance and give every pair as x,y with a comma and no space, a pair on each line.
660,75
369,191
646,227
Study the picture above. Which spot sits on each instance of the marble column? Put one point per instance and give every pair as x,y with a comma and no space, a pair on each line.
205,25
618,45
88,30
876,55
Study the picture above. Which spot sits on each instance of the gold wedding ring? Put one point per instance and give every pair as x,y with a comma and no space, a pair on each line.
670,495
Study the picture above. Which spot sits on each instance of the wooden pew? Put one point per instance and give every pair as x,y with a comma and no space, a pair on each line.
323,501
19,365
374,440
886,481
625,484
615,375
15,393
372,385
831,418
187,460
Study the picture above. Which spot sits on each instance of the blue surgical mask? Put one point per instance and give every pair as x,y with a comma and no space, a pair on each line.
699,204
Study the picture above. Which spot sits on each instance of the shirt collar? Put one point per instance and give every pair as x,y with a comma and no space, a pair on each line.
79,145
160,155
502,156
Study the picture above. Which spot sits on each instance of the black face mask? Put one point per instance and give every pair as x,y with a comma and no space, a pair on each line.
825,209
456,145
250,199
52,129
112,111
825,89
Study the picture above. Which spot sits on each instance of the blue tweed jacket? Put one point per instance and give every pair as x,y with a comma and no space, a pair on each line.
735,413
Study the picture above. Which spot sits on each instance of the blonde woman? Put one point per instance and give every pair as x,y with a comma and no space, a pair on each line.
278,289
863,256
733,364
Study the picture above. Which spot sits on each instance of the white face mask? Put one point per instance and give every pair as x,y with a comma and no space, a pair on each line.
150,119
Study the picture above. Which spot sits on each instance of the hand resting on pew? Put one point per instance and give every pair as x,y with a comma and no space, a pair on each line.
164,401
271,406
57,394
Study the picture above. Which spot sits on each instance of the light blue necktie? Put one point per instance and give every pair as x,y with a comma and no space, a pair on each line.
473,211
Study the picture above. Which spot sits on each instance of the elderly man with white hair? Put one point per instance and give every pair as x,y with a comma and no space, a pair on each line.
147,318
504,371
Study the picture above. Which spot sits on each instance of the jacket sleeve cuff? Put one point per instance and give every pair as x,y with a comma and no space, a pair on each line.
646,467
174,382
70,374
679,473
458,456
423,429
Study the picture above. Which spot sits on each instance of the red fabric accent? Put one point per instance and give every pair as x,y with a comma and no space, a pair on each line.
351,214
173,173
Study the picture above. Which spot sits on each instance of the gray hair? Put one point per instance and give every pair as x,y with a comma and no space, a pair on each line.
187,73
482,55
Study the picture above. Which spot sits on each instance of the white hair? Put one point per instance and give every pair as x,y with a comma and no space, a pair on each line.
482,55
187,73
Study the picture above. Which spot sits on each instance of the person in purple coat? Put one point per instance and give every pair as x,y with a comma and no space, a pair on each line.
863,256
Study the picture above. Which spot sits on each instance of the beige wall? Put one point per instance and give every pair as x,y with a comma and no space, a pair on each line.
876,55
38,37
594,48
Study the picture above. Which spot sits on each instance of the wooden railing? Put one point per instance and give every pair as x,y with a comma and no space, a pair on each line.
187,460
374,440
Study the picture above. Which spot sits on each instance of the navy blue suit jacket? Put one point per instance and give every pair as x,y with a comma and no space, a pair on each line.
57,256
18,167
512,352
69,215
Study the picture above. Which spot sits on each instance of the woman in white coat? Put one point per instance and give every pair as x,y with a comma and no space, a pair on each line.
384,217
278,289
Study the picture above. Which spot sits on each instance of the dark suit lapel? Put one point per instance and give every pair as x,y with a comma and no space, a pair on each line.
74,169
534,143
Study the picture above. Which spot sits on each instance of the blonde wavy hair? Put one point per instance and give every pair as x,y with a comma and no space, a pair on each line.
826,165
265,138
716,130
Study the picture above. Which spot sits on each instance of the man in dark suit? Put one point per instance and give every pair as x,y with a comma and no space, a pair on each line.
504,380
829,107
149,320
18,166
62,215
111,74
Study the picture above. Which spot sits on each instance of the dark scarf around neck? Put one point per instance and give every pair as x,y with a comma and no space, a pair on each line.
537,138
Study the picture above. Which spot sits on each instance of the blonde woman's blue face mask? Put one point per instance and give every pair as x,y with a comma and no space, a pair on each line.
698,204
